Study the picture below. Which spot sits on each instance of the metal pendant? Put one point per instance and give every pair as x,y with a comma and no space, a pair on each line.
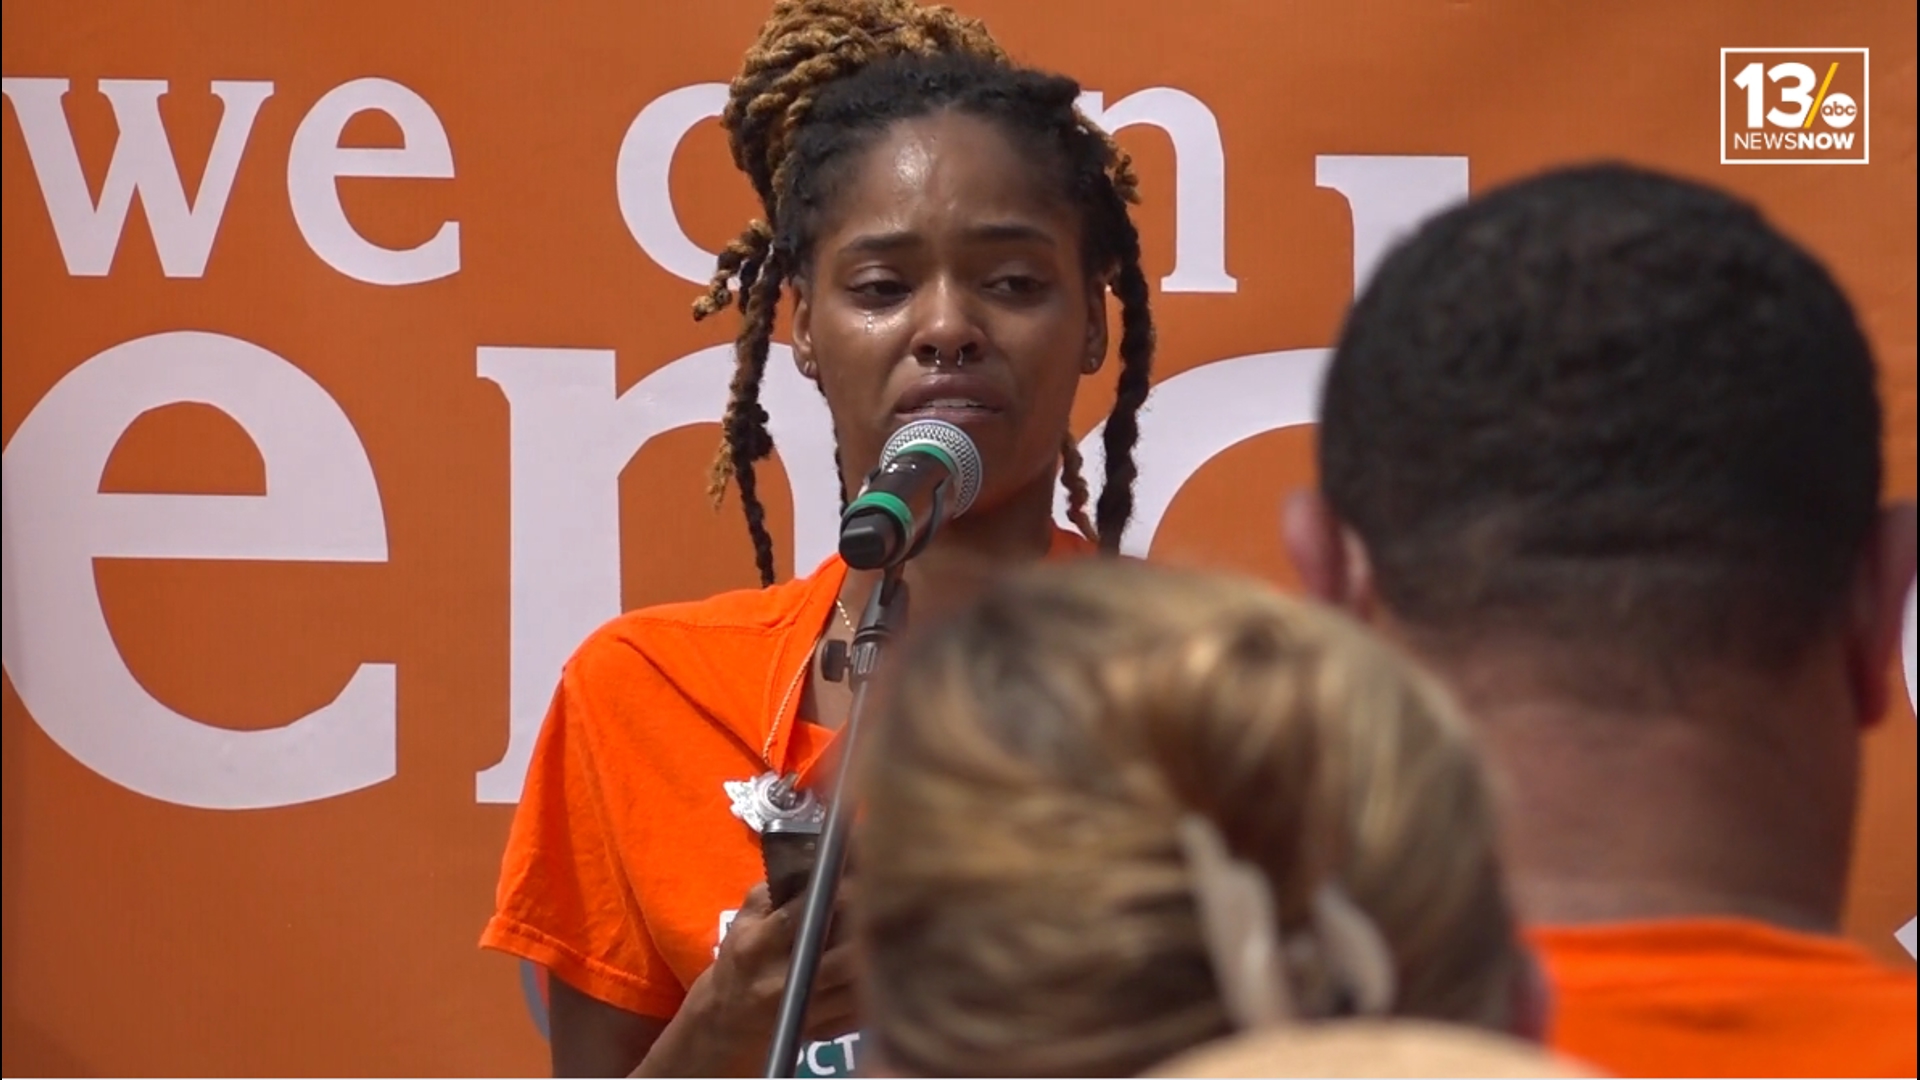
769,798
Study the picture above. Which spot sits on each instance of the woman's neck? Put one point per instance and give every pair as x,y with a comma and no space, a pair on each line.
967,555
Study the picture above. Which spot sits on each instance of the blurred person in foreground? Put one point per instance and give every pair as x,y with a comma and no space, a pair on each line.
1603,449
1380,1048
1114,812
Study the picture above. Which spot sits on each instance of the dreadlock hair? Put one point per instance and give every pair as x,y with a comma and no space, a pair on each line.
825,79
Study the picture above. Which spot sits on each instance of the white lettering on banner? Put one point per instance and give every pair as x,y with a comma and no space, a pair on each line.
88,232
316,159
571,435
1199,180
321,505
1389,196
642,171
1200,413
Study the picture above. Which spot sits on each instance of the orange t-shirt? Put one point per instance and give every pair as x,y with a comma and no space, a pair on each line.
1725,997
625,862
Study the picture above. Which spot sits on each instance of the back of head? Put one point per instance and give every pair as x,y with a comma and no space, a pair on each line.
1026,906
1611,407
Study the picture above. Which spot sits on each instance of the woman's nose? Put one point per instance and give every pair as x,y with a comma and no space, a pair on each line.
948,333
928,352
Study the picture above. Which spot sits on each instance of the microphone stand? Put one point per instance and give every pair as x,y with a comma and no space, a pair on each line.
886,612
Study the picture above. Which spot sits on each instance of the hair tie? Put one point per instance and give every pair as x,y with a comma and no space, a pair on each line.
740,261
1352,951
1240,924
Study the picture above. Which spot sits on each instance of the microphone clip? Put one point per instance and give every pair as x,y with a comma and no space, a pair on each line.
835,661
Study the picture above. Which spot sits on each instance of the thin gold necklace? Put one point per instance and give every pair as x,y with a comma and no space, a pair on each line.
835,655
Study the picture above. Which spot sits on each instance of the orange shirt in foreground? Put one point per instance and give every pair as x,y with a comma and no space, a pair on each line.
1725,997
625,863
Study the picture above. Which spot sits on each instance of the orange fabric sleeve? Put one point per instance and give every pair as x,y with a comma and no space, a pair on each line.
1725,997
563,900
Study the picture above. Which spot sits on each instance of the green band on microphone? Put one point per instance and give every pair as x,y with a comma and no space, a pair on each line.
933,449
885,502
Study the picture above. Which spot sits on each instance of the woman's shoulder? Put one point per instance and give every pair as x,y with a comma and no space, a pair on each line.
774,607
698,647
766,611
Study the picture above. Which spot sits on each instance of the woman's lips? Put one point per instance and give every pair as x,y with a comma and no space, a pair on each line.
955,398
960,415
950,405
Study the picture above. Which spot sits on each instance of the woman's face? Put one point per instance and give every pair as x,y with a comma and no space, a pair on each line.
947,283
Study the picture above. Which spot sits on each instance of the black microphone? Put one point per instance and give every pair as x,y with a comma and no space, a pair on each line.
929,472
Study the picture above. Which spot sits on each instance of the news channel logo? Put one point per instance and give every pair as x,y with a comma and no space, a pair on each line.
1793,106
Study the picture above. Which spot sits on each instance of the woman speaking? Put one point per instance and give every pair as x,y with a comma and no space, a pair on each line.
950,228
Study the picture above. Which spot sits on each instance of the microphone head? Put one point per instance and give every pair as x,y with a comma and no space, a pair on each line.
950,443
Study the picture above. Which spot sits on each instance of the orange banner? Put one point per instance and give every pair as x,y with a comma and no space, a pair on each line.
350,381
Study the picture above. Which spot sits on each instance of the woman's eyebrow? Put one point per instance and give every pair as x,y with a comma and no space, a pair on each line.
992,232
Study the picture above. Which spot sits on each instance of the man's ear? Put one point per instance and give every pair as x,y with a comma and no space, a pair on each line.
1877,608
1331,559
803,331
1096,351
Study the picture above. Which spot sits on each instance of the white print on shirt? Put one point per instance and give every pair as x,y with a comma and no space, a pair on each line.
810,1063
